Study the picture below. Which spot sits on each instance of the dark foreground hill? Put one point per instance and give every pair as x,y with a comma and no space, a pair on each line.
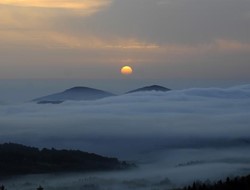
150,88
75,94
237,183
17,159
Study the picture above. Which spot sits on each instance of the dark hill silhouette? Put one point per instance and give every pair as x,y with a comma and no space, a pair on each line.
86,93
76,94
150,88
237,183
16,159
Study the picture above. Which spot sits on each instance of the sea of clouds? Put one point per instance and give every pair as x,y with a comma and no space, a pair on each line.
174,137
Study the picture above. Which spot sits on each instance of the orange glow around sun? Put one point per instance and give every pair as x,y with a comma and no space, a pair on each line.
126,70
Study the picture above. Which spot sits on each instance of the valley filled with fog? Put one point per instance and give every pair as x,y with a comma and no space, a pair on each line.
174,137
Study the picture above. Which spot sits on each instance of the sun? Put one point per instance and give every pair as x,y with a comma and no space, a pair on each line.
126,70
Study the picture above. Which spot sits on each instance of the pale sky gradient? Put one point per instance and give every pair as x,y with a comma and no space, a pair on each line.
162,40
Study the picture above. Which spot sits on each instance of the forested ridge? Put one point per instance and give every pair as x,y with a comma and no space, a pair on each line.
16,159
237,183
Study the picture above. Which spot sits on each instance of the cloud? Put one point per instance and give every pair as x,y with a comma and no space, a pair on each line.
174,39
180,113
85,5
218,46
58,40
44,23
42,15
169,134
232,46
34,16
132,44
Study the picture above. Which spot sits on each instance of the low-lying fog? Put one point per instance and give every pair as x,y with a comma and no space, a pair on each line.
174,137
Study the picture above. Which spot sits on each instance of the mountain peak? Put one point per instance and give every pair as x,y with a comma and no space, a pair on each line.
78,89
150,88
76,94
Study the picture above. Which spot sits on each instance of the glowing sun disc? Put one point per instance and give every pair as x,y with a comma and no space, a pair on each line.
126,70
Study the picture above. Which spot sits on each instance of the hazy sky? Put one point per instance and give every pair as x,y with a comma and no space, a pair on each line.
92,39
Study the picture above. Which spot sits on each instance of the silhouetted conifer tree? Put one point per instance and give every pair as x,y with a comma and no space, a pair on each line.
40,187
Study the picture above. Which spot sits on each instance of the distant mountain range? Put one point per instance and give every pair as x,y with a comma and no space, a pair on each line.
86,93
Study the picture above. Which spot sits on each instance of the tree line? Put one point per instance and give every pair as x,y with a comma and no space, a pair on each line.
16,159
237,183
